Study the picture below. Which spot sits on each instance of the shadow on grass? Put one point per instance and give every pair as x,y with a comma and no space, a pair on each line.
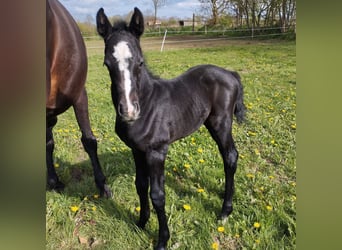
79,183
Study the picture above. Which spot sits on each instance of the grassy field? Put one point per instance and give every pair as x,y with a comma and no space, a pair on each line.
264,215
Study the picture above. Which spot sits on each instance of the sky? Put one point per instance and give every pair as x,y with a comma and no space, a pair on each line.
80,9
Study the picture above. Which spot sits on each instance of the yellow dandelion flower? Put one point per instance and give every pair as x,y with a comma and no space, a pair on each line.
220,229
269,208
56,165
96,196
174,169
250,175
256,151
186,207
272,141
271,177
186,165
201,161
215,246
137,209
200,150
237,236
241,156
251,133
257,241
74,208
85,198
200,190
93,208
293,126
262,189
256,224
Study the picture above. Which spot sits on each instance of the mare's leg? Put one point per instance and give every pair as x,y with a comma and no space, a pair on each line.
155,160
141,184
52,178
89,142
220,129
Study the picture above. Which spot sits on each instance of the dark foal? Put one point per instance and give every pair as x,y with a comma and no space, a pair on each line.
152,113
66,72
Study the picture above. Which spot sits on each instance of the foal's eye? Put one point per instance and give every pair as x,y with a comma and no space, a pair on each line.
141,63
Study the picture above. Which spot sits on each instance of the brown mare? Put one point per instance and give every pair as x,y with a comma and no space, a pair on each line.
66,72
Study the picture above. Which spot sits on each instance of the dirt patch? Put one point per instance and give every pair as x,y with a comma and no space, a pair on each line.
183,42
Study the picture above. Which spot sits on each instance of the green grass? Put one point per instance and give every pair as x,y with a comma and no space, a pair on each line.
265,179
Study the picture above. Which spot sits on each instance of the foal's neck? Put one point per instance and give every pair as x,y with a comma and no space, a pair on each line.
147,81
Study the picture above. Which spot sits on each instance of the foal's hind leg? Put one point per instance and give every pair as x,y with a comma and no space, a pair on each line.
89,142
52,178
221,131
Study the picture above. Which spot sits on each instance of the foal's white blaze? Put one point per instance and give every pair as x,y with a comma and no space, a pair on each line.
122,53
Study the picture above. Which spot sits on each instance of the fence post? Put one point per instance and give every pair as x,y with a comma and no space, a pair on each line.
193,22
162,47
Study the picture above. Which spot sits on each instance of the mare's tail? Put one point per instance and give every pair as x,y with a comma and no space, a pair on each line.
240,108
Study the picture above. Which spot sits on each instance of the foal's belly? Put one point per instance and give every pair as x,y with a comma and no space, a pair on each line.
145,134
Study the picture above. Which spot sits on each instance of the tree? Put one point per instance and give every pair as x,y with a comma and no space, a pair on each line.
214,9
252,13
157,4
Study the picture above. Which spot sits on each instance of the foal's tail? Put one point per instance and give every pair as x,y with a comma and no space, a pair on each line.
240,108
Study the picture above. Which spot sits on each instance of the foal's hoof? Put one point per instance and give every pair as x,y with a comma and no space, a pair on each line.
56,185
106,192
224,215
141,224
160,248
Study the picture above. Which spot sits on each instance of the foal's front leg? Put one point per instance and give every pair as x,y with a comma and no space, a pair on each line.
141,184
155,160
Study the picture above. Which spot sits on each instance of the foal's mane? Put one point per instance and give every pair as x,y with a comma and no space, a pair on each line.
120,25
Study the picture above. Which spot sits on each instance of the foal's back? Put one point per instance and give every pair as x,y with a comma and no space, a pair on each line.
202,89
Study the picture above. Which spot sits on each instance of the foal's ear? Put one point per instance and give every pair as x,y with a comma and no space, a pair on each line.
136,25
103,25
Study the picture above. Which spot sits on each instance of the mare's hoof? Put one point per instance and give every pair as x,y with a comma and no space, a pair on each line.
56,185
106,192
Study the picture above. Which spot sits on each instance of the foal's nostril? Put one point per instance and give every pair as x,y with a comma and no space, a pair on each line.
136,107
120,109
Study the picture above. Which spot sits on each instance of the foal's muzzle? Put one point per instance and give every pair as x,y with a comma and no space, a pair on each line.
129,114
